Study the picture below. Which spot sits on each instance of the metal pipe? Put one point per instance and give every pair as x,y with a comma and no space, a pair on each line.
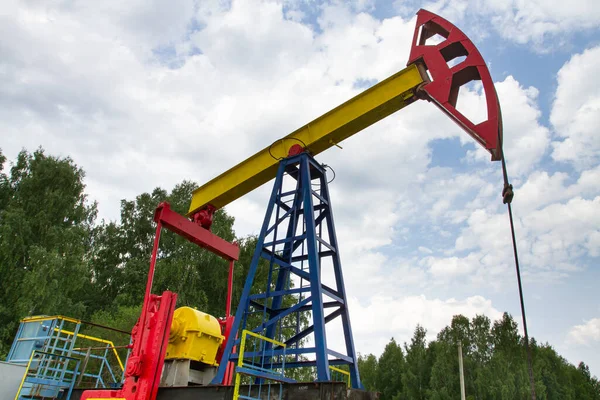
102,348
84,366
147,294
229,290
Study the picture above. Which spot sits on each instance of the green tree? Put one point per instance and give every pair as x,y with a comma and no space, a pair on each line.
389,371
508,364
417,372
495,366
54,259
368,369
480,355
46,229
122,254
585,386
444,381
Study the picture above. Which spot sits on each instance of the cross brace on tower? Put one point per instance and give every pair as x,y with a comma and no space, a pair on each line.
298,247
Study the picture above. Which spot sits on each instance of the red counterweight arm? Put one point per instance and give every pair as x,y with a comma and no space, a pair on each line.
446,81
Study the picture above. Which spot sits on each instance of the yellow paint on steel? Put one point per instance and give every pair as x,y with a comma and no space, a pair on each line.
95,339
24,376
324,132
41,318
238,380
261,337
341,371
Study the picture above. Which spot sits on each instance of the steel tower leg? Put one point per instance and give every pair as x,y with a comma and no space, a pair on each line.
296,251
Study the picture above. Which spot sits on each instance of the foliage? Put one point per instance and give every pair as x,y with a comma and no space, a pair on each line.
122,252
389,371
494,366
46,231
415,376
367,366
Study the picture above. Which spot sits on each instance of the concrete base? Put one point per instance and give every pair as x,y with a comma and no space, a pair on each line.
290,391
182,373
11,376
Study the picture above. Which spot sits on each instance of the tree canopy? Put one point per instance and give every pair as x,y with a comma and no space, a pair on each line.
46,235
494,366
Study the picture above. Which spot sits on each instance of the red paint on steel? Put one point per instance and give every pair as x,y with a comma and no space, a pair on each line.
229,290
226,325
150,338
149,280
446,81
204,217
195,233
295,150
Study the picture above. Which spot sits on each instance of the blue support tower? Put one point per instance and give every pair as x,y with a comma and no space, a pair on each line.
285,296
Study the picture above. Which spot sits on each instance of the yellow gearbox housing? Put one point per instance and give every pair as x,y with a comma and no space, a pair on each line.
194,336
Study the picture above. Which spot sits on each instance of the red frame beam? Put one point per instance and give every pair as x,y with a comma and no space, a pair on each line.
195,233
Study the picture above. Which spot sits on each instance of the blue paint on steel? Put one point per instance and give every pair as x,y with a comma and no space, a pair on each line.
296,235
264,374
240,313
41,380
54,339
314,268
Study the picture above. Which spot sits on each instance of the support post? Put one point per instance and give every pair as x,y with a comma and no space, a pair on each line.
461,371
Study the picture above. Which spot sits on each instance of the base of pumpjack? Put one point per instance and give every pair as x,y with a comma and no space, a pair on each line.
290,391
186,372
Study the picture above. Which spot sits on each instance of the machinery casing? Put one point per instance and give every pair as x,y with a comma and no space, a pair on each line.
194,336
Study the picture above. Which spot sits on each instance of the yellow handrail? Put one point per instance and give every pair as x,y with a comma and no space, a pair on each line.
341,371
240,363
95,339
40,318
24,376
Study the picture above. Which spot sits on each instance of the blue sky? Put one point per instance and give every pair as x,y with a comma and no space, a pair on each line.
147,94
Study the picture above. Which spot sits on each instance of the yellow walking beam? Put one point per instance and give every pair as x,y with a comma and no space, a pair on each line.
351,117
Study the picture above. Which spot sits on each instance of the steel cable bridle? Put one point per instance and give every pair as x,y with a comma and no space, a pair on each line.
507,196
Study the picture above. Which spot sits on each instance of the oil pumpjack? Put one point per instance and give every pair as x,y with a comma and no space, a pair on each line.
290,310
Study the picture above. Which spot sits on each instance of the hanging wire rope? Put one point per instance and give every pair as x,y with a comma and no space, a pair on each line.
507,196
332,170
281,141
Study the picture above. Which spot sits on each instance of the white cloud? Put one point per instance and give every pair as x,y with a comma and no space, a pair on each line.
532,21
563,233
542,189
575,113
586,334
551,240
425,250
451,266
525,138
536,20
382,317
556,225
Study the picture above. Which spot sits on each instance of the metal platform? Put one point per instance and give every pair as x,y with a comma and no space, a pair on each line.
291,391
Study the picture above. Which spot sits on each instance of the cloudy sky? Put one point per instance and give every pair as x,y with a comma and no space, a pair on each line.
148,93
